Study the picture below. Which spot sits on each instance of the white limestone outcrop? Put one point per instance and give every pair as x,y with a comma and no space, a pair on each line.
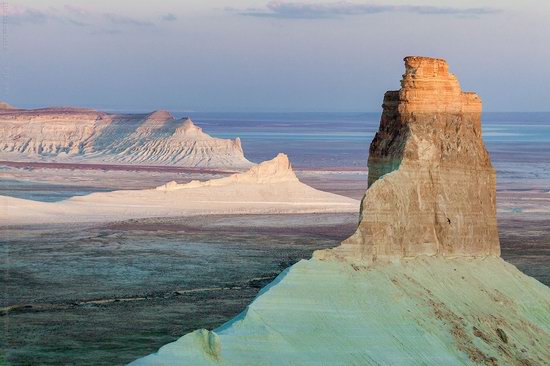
85,135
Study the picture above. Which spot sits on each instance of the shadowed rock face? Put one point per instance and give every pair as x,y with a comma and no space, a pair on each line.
431,182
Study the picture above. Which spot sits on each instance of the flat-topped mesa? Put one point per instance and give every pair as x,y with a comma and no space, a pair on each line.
155,138
276,170
160,116
431,188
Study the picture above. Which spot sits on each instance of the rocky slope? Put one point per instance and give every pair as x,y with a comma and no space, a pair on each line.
267,188
421,282
426,311
59,134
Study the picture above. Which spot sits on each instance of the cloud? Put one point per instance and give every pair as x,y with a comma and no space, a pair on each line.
169,17
76,10
73,15
125,20
19,15
110,18
109,32
309,10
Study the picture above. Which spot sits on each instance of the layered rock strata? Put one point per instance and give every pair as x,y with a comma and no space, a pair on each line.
431,188
84,134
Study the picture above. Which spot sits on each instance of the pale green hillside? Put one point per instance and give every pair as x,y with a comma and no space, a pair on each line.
428,311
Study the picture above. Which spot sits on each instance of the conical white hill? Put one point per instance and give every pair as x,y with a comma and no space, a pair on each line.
277,170
267,188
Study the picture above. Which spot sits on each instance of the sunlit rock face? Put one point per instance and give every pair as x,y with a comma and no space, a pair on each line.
431,182
75,134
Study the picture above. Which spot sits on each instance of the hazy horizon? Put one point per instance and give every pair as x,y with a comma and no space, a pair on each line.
267,56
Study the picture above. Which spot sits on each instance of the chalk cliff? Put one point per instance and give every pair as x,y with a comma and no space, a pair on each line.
87,135
431,188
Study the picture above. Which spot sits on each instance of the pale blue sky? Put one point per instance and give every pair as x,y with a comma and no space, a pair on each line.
255,55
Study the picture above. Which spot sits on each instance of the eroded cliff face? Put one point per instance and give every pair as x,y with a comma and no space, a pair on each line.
431,188
83,134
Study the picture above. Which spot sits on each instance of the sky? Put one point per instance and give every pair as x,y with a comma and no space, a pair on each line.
260,56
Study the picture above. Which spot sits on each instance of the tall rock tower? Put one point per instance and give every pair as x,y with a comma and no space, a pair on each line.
431,188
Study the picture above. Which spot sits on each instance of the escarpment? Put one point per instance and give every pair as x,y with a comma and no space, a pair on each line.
90,136
431,186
